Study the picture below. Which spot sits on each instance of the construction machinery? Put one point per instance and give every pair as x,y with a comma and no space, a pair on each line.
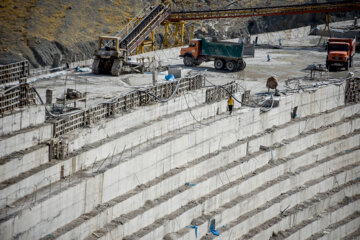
340,52
110,58
226,55
113,52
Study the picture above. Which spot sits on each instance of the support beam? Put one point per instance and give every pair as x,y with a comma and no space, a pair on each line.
326,28
176,31
340,6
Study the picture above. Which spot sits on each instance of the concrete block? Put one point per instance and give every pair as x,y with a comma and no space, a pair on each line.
20,162
22,119
342,231
312,173
22,140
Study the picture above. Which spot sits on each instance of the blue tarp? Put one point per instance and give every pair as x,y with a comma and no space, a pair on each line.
190,184
194,227
85,69
170,77
212,228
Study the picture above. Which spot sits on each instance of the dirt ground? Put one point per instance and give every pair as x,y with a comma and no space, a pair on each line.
291,61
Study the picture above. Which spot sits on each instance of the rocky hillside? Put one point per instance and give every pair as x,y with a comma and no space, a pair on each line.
47,32
41,30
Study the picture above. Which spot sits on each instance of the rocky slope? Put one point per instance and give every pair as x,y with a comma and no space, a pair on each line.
48,32
43,30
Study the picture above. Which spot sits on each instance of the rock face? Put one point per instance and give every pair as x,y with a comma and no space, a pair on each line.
53,53
53,32
48,32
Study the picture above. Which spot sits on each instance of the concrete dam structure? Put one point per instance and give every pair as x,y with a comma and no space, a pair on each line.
167,161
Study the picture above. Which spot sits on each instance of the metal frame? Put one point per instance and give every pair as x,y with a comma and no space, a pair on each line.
216,94
175,24
20,93
265,11
326,28
352,92
13,72
177,31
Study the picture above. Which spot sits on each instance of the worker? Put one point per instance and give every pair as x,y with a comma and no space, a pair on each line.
230,104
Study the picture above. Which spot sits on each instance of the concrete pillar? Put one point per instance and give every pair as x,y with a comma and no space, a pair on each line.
155,77
50,96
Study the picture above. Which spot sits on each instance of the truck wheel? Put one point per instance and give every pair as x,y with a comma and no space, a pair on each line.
351,61
231,66
116,67
188,60
242,65
347,64
327,64
219,64
95,66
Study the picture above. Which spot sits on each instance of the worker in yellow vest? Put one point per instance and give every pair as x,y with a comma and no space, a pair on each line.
230,104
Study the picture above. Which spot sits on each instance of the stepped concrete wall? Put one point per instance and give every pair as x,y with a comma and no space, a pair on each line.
125,177
24,118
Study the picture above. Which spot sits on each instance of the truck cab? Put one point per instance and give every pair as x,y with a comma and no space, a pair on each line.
193,50
338,51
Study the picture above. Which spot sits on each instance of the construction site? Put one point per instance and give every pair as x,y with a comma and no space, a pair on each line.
188,137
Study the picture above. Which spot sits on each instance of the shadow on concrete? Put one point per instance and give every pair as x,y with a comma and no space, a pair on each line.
200,68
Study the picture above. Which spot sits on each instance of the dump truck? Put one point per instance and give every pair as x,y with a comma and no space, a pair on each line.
226,55
340,52
110,58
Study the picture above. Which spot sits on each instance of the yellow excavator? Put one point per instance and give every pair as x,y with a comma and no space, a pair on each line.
110,58
112,55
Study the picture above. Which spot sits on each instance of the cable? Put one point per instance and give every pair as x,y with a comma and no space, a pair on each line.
42,102
12,88
112,100
192,113
272,104
262,109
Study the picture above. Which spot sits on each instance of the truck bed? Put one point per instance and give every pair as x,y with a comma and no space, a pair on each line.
222,49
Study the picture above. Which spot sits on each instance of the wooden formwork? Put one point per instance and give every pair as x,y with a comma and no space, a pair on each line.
352,93
131,100
9,101
14,72
69,123
19,96
27,95
220,92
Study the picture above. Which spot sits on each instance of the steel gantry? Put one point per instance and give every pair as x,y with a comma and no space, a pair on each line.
177,31
342,6
177,22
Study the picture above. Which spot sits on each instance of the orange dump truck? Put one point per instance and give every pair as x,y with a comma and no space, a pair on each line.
340,52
